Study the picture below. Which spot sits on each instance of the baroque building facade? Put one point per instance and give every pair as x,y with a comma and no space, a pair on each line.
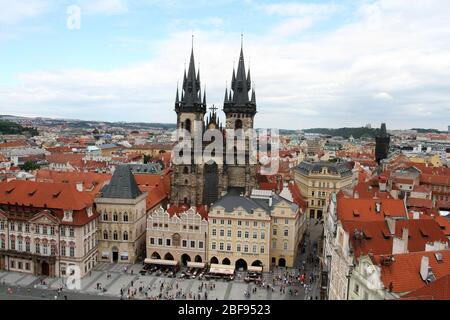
203,182
47,229
122,209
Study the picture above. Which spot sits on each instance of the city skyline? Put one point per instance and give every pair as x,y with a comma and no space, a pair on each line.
314,64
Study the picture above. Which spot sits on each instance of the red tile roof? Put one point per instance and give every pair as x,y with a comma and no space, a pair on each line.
156,185
364,209
435,179
92,182
378,240
436,290
13,144
43,194
176,210
297,196
55,197
403,275
419,203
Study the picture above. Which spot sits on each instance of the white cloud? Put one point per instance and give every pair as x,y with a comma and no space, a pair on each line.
292,27
299,9
103,7
383,96
391,64
12,12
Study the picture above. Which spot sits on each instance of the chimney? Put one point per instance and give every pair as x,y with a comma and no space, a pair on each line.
391,225
424,267
400,246
270,201
80,186
377,207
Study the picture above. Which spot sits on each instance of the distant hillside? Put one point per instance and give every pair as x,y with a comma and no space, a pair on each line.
7,127
421,130
346,132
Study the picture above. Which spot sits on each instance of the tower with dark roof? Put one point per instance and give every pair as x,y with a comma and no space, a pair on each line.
239,108
203,183
122,224
382,141
190,107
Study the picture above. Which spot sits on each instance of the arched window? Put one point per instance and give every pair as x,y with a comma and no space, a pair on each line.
125,217
115,217
185,170
115,236
105,235
125,236
188,125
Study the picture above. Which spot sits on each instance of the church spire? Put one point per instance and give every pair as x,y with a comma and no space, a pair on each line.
225,100
191,96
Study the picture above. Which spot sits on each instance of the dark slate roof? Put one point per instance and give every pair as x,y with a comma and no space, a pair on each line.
232,200
308,168
152,168
122,185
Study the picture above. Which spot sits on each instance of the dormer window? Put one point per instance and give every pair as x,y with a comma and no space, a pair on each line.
68,215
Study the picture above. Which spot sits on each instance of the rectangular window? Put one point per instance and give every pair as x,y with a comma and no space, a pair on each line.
152,241
200,244
255,248
228,233
72,252
238,247
221,246
255,235
71,232
286,232
246,235
160,241
214,221
263,235
168,242
229,222
27,246
63,231
228,246
239,233
262,249
239,223
286,221
255,223
184,243
245,248
214,232
38,248
222,232
63,251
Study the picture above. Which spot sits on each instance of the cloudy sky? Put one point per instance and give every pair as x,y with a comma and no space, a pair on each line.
314,63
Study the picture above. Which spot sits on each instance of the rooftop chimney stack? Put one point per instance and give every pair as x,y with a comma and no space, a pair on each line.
424,267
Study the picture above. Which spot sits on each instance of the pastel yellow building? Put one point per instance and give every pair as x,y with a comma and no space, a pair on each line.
317,180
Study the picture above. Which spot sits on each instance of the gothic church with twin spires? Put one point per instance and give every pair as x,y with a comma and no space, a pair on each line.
205,183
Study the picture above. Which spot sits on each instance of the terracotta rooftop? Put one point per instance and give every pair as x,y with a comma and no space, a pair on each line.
365,209
377,239
403,274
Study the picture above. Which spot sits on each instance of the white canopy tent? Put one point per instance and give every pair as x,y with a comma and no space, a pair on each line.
221,269
192,264
161,262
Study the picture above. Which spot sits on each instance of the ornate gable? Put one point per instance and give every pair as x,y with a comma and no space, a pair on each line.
45,217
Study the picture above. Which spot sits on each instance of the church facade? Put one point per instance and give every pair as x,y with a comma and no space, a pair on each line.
196,183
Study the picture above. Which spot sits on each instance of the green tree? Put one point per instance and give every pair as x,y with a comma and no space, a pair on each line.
29,166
